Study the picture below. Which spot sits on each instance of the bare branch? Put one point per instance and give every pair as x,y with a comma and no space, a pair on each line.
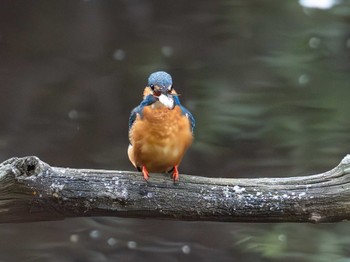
31,190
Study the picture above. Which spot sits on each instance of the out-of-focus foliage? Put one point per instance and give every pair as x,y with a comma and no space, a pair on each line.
296,242
287,101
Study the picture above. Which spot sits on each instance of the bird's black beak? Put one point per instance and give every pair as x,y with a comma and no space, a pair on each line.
158,90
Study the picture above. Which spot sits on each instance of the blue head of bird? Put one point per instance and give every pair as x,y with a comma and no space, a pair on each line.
161,85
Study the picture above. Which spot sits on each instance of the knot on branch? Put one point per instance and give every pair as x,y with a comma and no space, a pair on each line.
28,166
21,168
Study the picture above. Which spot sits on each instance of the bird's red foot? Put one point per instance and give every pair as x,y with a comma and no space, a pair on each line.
145,173
176,174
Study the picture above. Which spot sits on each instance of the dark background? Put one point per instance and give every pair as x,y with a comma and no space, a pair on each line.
268,83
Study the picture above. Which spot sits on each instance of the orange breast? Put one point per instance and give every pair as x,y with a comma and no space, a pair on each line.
160,139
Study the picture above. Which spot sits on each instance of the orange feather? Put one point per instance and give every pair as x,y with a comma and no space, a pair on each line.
160,138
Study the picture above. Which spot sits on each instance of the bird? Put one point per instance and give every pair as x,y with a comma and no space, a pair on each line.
160,128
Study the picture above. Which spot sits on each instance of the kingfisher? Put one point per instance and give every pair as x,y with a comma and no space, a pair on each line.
160,128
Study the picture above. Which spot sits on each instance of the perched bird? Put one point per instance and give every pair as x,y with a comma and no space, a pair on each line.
160,128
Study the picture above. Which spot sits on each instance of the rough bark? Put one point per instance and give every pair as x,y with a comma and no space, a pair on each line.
31,190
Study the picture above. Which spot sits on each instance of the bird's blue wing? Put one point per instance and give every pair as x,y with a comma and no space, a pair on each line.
185,112
189,116
149,100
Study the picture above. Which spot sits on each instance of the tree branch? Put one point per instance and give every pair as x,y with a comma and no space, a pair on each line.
31,190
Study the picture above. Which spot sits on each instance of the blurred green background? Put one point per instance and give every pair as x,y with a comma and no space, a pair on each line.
268,83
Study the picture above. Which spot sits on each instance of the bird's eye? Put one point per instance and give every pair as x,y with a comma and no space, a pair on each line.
170,88
152,87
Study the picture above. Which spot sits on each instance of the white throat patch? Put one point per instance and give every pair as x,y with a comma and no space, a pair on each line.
166,101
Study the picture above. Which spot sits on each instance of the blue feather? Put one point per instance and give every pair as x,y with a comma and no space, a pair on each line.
149,100
160,78
185,112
